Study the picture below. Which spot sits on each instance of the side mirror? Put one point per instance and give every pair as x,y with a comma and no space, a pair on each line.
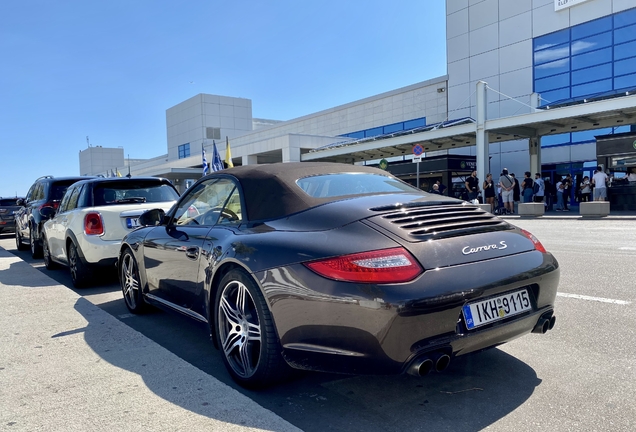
20,202
47,212
152,217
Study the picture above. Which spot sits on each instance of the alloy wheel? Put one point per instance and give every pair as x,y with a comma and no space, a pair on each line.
239,329
130,281
72,261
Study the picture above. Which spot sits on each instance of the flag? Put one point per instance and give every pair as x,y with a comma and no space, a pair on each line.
206,167
228,153
117,172
217,164
112,173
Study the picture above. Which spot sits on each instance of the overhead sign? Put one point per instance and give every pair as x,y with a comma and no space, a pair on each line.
418,150
564,4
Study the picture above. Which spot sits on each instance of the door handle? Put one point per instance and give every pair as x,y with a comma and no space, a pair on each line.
192,252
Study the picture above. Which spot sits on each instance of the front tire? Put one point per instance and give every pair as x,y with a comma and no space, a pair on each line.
80,274
36,248
245,331
18,240
46,254
131,283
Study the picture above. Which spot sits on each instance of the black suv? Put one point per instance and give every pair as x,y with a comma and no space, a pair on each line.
47,191
7,219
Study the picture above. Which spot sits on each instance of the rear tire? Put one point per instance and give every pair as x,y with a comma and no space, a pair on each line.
46,254
131,283
245,330
36,248
18,241
80,274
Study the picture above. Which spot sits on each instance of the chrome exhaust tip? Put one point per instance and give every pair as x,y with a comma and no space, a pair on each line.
421,367
442,362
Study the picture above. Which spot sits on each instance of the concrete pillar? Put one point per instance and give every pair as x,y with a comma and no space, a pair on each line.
534,148
250,160
534,144
483,151
291,154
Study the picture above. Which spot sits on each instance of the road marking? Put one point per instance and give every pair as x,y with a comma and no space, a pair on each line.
598,299
627,248
124,316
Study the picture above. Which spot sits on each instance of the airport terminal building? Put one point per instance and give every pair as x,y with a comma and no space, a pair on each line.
529,85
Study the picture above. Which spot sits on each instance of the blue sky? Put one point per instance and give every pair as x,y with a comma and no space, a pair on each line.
109,70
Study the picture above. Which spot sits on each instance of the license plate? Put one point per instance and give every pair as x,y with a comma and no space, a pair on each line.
496,308
132,223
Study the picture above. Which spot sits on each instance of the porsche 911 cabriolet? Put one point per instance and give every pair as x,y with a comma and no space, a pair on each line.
337,268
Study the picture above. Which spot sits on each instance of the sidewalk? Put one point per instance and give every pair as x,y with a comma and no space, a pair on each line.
66,365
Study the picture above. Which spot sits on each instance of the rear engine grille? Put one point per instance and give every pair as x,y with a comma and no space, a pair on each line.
440,221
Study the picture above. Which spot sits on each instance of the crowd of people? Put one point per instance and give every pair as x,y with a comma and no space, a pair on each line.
506,191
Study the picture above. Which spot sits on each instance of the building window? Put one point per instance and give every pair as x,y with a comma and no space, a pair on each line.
590,59
212,133
184,151
388,129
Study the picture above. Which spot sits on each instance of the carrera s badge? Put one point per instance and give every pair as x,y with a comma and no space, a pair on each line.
471,250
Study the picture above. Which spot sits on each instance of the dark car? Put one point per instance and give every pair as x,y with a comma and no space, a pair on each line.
338,268
7,218
46,191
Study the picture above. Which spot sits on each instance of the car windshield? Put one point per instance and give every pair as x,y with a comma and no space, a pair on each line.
133,192
335,185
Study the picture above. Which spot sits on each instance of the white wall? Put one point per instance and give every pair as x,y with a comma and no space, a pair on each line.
98,160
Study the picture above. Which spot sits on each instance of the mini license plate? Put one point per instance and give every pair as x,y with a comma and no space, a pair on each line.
132,223
496,308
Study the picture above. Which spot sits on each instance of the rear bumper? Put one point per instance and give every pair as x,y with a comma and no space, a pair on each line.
98,252
381,329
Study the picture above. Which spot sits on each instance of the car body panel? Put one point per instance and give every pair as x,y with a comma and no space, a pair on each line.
466,255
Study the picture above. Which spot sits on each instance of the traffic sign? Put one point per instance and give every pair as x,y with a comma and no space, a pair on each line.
417,158
418,150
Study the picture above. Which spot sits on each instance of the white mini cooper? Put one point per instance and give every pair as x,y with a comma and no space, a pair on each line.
86,231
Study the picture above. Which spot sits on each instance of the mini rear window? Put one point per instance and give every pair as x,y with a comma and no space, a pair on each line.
335,185
133,192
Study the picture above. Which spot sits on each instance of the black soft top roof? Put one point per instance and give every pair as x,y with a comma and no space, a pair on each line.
271,192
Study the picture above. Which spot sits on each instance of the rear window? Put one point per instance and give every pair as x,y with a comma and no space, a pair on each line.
8,202
58,189
335,185
133,192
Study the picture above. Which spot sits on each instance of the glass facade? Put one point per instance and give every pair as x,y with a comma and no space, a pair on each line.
590,59
388,129
595,58
184,151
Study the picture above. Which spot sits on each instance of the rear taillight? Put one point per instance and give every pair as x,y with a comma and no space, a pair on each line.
537,244
93,224
383,266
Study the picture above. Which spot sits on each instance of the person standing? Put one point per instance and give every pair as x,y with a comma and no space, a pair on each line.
472,185
586,189
540,191
600,184
507,185
567,191
559,192
435,189
489,192
440,187
526,187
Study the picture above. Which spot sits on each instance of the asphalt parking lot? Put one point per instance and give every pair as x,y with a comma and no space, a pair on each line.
578,377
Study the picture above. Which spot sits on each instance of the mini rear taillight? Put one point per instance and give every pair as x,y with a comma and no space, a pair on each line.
93,224
394,265
537,244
